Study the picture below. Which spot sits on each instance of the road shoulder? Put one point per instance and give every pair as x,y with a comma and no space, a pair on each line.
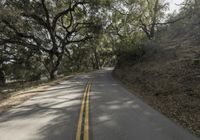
23,95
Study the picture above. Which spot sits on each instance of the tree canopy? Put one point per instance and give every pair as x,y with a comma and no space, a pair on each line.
47,37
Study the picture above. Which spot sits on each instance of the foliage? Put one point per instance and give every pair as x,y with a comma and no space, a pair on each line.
44,37
185,23
47,27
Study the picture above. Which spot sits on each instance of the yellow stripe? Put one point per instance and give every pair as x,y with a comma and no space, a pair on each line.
78,133
86,122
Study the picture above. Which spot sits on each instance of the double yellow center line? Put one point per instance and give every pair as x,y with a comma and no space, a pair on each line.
83,123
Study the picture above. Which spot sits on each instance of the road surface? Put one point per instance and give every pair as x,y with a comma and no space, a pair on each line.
89,106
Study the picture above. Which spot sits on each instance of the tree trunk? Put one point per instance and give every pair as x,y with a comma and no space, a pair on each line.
2,78
53,74
96,59
54,69
154,19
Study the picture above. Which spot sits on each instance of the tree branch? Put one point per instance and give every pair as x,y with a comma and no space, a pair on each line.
38,19
65,12
80,40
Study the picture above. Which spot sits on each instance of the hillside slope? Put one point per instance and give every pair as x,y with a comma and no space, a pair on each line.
168,78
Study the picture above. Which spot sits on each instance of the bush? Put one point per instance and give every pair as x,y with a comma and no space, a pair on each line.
196,62
133,53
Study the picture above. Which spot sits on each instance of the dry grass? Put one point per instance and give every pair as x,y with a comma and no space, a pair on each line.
169,81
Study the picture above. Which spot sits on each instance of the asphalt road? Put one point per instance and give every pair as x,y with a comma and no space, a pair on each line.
113,114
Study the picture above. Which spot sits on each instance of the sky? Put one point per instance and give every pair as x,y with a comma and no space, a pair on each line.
173,6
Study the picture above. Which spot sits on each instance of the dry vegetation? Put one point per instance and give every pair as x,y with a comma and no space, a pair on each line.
169,80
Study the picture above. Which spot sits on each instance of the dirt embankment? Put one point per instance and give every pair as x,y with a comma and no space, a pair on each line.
168,78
